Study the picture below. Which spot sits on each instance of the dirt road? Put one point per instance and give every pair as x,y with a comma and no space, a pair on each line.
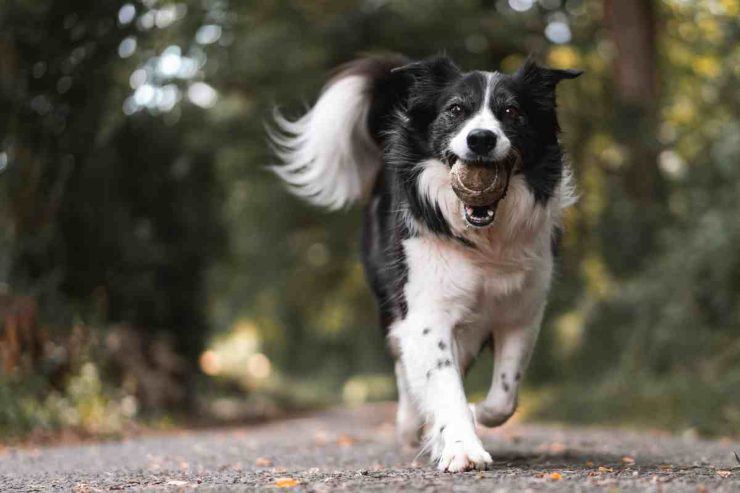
355,450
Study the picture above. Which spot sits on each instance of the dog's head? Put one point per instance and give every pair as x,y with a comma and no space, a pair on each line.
485,126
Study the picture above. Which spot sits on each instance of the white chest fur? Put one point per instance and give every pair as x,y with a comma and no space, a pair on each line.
460,295
516,247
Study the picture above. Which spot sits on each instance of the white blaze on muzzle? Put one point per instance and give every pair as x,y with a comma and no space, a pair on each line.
484,119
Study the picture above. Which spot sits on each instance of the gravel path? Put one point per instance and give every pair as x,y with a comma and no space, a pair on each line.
354,449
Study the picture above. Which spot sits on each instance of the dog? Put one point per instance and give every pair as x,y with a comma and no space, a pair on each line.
467,184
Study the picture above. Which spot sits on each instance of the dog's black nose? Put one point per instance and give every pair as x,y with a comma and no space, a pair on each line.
481,141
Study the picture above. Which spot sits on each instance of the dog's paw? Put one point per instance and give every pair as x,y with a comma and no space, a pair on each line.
493,414
463,455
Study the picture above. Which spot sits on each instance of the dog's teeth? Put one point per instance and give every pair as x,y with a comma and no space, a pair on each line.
490,212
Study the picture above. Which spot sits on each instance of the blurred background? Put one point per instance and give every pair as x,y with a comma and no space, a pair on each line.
153,273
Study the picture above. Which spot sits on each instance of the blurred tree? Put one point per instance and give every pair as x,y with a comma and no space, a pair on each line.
112,219
631,223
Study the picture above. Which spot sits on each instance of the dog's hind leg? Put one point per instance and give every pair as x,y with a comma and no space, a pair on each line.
512,348
409,421
514,336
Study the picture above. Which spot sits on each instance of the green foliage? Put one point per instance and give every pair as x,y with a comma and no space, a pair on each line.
664,349
86,404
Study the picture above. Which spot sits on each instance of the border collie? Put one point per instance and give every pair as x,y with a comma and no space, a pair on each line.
466,185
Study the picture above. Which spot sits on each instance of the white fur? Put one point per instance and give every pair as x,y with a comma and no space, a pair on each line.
328,155
409,422
463,295
440,285
483,119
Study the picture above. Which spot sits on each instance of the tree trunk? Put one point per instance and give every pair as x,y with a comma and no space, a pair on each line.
639,212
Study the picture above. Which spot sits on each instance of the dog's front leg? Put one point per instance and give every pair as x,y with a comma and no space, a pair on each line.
433,376
439,290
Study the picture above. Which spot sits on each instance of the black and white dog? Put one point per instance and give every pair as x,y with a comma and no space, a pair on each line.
467,186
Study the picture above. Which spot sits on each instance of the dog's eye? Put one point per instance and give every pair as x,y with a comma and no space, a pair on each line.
512,112
455,110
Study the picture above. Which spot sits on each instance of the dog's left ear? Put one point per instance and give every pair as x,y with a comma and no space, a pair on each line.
540,82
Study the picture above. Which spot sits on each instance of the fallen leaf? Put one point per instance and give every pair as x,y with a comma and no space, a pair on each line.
589,463
345,440
605,469
628,460
724,473
263,462
176,482
555,476
554,447
286,482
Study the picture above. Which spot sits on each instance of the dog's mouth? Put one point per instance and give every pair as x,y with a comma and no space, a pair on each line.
479,216
480,186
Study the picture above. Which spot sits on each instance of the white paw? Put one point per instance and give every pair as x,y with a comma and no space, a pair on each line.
463,455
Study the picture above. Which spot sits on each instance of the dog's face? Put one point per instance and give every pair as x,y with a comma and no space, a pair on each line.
485,126
470,122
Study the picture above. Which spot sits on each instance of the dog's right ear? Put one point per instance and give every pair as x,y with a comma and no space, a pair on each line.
439,67
424,80
430,74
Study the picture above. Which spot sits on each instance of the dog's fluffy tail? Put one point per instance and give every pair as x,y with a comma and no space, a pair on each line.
332,154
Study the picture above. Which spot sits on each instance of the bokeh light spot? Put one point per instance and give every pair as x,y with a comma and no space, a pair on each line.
201,94
208,34
558,32
126,14
259,366
521,5
127,47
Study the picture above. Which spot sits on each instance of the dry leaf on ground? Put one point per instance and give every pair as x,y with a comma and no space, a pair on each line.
553,448
345,440
286,482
